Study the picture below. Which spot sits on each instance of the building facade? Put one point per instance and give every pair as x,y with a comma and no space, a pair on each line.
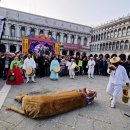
74,38
111,38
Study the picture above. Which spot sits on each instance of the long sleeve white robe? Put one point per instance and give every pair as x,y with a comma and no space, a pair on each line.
91,64
116,81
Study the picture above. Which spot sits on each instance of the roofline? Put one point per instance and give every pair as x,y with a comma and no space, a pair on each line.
46,17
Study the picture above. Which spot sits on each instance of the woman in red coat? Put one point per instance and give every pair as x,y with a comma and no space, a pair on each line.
16,72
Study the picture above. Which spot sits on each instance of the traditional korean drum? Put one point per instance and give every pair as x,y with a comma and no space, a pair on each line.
73,66
30,71
125,94
11,77
57,69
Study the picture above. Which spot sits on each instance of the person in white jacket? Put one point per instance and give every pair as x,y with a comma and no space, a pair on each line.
90,65
29,62
118,77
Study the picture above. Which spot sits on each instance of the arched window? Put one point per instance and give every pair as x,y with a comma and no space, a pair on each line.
124,32
102,36
115,33
119,33
103,47
108,35
72,39
41,32
85,41
107,46
105,35
126,47
99,37
122,45
100,47
94,38
128,31
13,48
2,48
112,34
117,45
65,38
110,46
91,38
32,31
79,40
23,31
58,37
49,34
113,46
12,31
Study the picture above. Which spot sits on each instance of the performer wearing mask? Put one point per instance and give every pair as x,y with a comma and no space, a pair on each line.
54,63
15,70
118,76
29,63
91,64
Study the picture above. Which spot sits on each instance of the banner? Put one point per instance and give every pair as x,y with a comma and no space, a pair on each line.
57,49
1,25
24,45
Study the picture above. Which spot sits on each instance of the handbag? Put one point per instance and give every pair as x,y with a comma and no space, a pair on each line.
11,77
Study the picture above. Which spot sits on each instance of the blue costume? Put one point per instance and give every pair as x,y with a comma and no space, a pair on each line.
54,75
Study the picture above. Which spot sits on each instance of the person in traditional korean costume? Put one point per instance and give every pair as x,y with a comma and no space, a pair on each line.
118,76
29,62
54,64
91,64
15,70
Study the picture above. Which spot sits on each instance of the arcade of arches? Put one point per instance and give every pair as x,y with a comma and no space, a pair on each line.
111,46
11,48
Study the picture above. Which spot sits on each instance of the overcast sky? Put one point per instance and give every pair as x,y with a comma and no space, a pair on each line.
86,12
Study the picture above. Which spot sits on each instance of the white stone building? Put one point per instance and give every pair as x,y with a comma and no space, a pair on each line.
21,23
111,38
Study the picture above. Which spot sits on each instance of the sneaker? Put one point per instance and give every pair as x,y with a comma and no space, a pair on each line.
112,105
111,98
92,77
34,81
27,81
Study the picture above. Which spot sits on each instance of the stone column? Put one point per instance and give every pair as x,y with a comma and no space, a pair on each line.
37,31
7,48
69,38
46,33
61,37
75,40
17,48
54,35
18,31
28,31
7,29
82,41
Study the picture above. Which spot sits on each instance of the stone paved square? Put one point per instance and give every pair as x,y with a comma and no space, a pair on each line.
97,116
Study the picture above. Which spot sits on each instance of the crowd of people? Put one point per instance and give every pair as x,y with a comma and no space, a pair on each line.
42,65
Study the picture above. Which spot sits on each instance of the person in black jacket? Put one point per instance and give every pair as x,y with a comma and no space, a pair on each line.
1,65
41,65
6,65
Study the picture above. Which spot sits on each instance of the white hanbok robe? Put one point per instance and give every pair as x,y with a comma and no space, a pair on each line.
71,70
29,63
117,78
90,65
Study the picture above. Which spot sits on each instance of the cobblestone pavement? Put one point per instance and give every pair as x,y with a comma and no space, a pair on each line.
97,116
